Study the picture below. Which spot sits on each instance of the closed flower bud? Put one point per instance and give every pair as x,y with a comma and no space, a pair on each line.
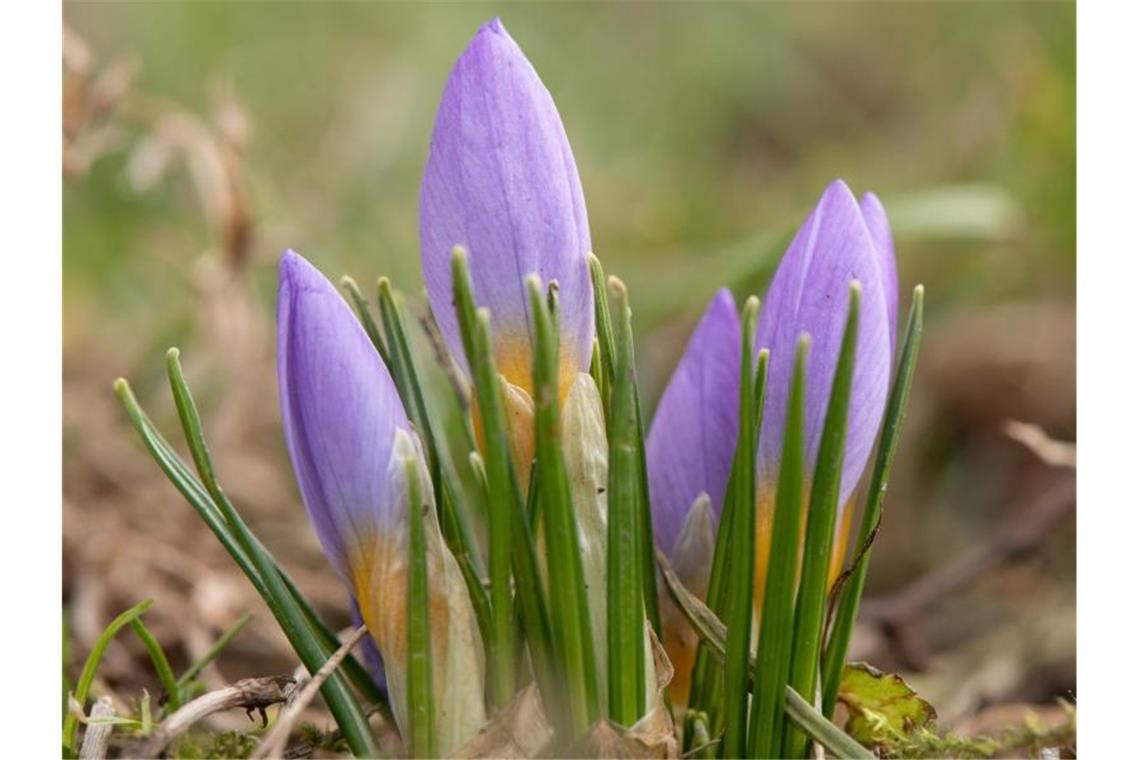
501,182
349,439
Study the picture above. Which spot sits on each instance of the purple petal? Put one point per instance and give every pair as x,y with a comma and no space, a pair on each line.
876,218
809,294
339,408
693,435
369,651
501,181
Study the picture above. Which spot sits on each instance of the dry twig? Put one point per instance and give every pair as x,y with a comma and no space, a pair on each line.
98,734
248,693
274,743
1048,450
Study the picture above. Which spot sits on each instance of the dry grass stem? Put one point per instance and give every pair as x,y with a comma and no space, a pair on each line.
274,743
248,693
97,737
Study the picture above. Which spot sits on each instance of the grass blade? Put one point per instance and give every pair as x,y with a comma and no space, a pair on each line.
852,590
365,314
645,526
161,664
294,623
195,494
421,731
811,601
625,609
215,649
777,620
502,489
712,632
570,618
87,676
604,329
454,522
743,554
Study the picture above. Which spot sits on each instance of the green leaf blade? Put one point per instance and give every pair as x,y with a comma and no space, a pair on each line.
778,615
279,597
625,614
502,489
852,591
823,507
87,675
570,618
421,714
743,557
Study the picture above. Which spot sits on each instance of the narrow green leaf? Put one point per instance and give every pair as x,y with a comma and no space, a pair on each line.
823,506
356,672
454,522
604,329
598,373
743,553
712,632
822,730
421,715
215,649
365,313
500,487
87,675
570,618
645,525
760,388
602,368
777,620
852,590
707,683
178,473
161,664
625,611
294,623
184,481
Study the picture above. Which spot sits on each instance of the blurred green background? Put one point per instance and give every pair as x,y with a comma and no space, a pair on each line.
703,133
695,128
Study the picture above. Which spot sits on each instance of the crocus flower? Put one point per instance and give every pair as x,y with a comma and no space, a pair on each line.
689,455
501,182
840,241
349,439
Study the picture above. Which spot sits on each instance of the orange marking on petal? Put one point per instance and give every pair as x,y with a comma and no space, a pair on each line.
379,577
765,508
839,548
514,360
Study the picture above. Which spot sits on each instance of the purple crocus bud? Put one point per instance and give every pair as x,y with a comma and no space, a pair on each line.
689,455
501,182
693,436
350,441
876,218
840,241
340,410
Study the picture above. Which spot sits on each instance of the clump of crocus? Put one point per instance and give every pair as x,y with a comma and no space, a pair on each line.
572,494
502,185
349,438
691,444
